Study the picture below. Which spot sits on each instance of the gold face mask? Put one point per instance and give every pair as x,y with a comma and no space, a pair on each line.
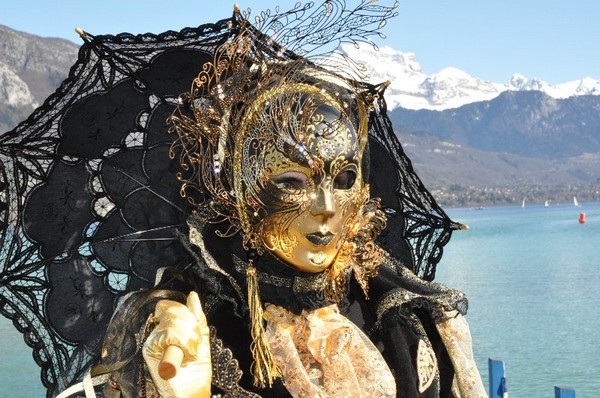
300,173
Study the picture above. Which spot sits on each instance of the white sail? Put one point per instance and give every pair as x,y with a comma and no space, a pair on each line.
575,202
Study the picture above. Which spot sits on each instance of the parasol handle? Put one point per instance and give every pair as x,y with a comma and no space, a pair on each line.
170,362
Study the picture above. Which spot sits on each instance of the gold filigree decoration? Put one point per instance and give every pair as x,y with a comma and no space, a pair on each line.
360,253
243,101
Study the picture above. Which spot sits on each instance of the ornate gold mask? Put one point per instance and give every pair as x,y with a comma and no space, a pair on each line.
299,160
277,151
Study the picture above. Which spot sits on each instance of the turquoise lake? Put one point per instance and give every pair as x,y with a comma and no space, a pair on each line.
532,278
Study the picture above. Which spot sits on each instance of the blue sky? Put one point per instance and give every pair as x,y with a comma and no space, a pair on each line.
554,40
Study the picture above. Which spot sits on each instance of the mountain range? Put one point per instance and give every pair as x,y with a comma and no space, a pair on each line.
449,88
472,141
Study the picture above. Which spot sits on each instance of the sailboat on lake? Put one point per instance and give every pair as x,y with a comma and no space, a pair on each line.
575,202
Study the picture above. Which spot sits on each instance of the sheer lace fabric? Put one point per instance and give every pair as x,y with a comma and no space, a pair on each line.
323,354
456,336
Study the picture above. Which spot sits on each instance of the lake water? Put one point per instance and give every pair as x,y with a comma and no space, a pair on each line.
533,282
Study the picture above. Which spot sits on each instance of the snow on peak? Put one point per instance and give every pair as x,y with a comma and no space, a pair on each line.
588,86
516,82
452,73
519,82
585,86
449,88
384,63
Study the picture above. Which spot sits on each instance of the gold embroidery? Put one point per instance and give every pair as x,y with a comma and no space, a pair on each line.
309,284
426,365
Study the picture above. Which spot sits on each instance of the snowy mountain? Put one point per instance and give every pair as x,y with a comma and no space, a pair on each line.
519,134
31,67
450,88
525,123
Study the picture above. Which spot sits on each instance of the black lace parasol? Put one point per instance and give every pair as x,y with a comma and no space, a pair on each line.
89,202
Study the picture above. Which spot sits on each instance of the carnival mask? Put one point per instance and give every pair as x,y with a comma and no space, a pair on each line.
301,170
283,163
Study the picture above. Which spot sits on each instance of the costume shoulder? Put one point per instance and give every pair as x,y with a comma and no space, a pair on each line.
406,312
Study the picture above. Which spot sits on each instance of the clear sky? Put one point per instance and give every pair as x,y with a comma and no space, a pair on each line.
554,40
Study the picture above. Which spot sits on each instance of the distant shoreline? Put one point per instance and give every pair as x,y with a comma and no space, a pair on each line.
458,196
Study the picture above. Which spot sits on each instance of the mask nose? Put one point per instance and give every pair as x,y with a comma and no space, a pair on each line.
323,204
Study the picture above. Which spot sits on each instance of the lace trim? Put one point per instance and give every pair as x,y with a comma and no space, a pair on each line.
323,354
456,336
427,368
226,372
197,240
396,265
438,303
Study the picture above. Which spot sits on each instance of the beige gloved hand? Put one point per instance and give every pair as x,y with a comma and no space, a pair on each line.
177,351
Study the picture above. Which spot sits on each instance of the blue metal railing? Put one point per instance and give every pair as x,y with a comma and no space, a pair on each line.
498,386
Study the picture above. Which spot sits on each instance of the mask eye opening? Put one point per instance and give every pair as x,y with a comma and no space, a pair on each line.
345,179
290,181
